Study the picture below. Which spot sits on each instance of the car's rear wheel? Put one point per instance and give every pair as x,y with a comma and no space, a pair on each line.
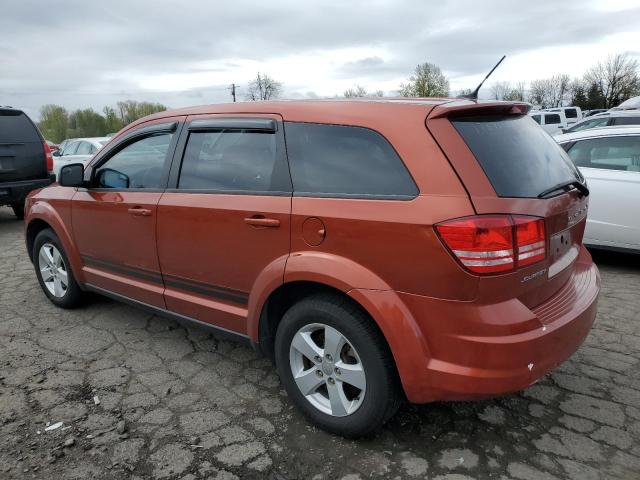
18,209
335,366
53,271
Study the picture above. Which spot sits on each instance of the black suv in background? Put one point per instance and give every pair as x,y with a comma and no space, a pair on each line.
25,159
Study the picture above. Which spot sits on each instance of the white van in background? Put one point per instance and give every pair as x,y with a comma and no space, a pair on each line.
551,122
572,114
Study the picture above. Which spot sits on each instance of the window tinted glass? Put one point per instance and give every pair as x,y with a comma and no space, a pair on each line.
518,157
571,113
551,119
626,120
235,160
16,128
611,153
140,163
536,118
84,148
340,160
596,122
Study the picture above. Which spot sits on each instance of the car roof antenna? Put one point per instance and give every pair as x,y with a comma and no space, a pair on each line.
474,95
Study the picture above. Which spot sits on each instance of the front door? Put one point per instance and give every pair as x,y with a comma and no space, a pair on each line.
225,218
114,220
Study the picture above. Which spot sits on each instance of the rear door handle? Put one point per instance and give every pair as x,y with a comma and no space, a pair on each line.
139,212
260,221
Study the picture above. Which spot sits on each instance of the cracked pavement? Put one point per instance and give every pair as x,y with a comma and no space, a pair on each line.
143,397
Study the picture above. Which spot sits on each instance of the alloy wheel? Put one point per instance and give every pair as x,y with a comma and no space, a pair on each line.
53,270
327,370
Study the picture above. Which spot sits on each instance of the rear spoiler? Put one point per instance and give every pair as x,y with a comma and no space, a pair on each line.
463,108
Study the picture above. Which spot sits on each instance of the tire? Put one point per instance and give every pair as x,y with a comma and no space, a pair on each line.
317,318
45,246
18,210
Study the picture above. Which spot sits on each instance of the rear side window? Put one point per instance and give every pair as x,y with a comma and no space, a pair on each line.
84,148
626,120
232,160
551,119
536,118
610,153
15,127
571,113
337,160
518,157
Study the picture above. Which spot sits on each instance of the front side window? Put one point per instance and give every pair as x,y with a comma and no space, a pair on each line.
596,122
610,153
138,165
339,160
70,149
552,119
84,148
232,160
571,113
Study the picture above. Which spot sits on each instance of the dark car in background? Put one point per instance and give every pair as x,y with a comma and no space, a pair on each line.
25,159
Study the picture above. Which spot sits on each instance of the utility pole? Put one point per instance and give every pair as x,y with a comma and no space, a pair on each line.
233,91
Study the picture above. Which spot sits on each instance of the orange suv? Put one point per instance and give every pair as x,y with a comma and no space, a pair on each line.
425,249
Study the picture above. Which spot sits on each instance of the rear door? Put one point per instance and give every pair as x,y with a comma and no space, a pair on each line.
226,216
21,150
505,162
612,168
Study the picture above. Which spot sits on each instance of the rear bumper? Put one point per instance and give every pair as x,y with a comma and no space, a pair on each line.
482,351
16,192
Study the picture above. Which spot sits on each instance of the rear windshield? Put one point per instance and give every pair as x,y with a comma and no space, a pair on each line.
519,158
15,127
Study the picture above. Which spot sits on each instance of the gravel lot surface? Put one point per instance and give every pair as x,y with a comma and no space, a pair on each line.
142,397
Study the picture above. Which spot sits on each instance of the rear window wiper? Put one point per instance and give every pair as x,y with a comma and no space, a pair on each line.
581,187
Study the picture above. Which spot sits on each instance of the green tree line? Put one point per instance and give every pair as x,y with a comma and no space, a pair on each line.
56,123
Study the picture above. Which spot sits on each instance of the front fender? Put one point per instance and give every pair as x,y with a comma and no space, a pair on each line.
60,222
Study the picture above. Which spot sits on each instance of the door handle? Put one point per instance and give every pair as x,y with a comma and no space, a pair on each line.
139,212
261,221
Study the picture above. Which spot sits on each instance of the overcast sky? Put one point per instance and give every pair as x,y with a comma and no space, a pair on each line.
91,53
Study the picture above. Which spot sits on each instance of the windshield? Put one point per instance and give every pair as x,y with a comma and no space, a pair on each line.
519,158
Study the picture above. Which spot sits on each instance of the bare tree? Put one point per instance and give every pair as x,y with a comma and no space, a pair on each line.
616,77
356,92
359,92
500,90
428,81
517,93
263,88
550,92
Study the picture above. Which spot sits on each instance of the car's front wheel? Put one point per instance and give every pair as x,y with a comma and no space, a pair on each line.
335,366
53,271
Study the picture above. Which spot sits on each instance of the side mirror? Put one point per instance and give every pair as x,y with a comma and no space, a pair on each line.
72,175
109,178
57,153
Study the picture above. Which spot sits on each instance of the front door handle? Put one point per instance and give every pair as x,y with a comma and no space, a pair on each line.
139,212
261,221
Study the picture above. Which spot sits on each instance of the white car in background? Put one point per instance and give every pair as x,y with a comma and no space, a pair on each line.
609,158
607,119
571,114
551,122
77,150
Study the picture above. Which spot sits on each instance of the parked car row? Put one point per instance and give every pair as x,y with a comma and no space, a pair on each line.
77,150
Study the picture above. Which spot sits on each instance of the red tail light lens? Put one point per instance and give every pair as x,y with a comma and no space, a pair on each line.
485,244
530,239
48,155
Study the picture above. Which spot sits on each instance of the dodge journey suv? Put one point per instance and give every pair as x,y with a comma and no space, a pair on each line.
377,251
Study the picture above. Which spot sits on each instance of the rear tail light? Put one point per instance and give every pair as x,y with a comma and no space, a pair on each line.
495,243
48,155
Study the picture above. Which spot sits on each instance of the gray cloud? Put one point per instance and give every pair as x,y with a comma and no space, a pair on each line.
79,53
